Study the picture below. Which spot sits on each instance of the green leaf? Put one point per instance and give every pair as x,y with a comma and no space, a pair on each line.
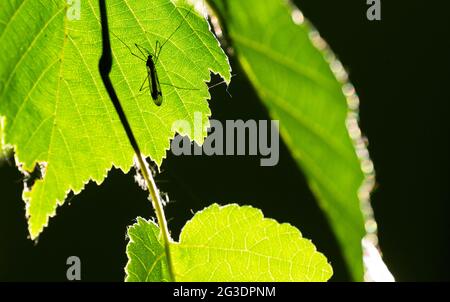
56,109
2,143
229,243
145,248
4,150
291,68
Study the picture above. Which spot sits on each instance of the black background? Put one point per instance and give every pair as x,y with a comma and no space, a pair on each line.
400,67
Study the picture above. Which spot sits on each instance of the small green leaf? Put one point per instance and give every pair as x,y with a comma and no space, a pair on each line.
291,68
149,261
229,243
57,112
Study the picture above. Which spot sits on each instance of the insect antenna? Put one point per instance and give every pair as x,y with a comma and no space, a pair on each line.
158,49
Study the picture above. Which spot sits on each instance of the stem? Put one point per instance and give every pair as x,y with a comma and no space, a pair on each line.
158,206
105,66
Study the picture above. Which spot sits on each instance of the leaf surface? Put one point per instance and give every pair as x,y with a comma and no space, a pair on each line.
228,243
57,112
149,261
303,86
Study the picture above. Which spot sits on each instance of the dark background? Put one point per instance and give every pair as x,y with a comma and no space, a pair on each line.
400,67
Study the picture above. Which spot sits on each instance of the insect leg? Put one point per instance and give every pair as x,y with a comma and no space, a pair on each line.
158,48
138,57
178,87
129,48
142,49
142,86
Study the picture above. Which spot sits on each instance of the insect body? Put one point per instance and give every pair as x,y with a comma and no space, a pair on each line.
155,90
151,59
152,74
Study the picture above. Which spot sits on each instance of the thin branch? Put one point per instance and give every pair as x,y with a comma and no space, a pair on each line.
105,66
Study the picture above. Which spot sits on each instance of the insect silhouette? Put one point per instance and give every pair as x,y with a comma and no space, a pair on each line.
151,59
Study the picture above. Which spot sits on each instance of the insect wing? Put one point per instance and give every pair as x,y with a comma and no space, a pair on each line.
156,89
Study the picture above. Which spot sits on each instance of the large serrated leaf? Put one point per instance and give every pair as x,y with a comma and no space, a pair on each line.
56,109
291,68
229,243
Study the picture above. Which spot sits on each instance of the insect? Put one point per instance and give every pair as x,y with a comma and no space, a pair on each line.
151,59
